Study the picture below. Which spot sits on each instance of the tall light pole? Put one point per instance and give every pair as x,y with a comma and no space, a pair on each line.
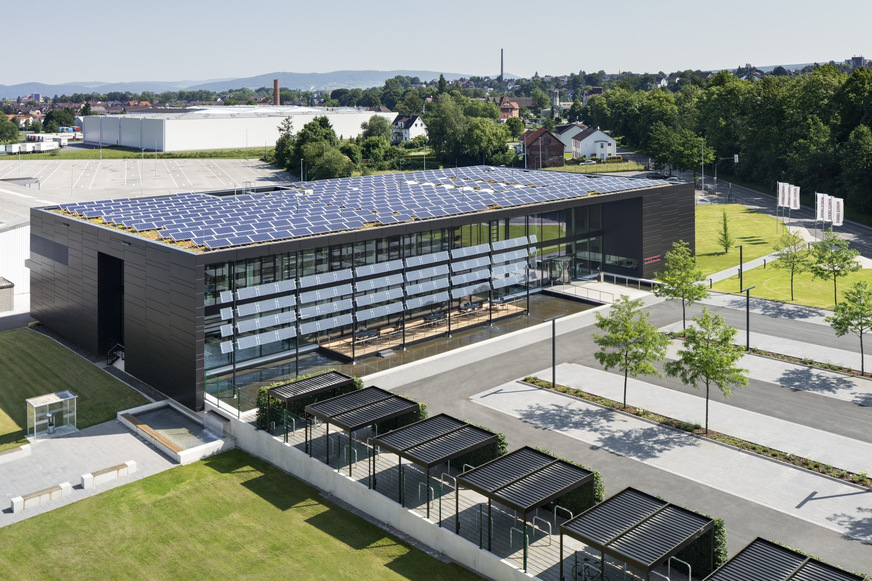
141,171
741,262
554,350
747,292
735,159
702,164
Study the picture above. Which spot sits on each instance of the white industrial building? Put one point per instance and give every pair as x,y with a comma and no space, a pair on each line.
232,127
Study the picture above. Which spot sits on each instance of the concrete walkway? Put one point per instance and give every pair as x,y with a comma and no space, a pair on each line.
798,349
823,501
66,458
824,447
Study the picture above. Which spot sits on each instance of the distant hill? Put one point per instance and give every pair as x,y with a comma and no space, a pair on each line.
301,81
321,81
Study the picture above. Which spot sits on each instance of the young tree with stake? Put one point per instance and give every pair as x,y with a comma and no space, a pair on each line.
630,343
709,357
681,279
854,315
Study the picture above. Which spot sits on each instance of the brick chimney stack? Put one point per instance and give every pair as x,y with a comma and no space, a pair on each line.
276,96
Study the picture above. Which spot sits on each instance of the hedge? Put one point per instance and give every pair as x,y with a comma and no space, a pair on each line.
274,411
578,500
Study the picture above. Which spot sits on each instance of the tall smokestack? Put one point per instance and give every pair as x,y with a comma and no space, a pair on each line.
501,65
276,99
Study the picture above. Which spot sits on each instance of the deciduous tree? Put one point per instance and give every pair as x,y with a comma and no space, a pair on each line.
709,357
792,256
681,278
854,315
833,257
630,342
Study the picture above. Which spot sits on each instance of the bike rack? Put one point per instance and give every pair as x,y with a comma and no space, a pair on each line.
661,575
465,467
432,492
677,560
442,478
585,570
546,523
557,508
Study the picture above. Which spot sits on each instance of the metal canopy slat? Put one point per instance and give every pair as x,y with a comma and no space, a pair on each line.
763,560
310,386
612,517
504,470
340,404
659,536
374,413
542,486
434,440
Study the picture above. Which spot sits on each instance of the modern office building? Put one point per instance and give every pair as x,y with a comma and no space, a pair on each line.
210,288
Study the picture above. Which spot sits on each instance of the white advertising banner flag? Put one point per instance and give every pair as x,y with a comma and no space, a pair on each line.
794,198
820,205
828,213
782,194
838,211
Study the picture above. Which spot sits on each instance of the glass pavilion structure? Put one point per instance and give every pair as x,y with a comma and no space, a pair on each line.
204,287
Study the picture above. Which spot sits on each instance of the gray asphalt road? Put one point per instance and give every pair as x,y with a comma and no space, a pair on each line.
448,391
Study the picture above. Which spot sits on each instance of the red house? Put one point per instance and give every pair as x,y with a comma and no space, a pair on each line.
542,149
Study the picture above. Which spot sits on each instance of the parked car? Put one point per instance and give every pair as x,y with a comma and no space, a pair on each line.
656,176
587,162
674,180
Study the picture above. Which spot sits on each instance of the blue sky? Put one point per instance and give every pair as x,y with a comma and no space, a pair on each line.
159,40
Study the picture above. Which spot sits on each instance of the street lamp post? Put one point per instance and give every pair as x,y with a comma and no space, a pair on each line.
747,292
741,262
553,350
735,159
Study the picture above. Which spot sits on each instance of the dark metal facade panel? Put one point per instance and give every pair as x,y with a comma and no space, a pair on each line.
542,486
497,473
659,537
448,446
346,402
374,413
416,434
162,303
310,386
604,522
760,561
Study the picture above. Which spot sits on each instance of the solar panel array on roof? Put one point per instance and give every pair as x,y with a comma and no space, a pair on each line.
214,222
763,560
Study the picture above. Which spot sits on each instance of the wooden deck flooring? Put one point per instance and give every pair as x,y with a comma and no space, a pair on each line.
417,329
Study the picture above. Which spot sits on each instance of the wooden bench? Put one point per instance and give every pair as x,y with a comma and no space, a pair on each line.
32,499
146,429
105,475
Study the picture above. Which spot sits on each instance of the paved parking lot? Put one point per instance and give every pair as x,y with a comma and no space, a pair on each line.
77,180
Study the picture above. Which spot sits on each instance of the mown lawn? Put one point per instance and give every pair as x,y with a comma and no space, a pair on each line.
756,233
230,516
32,364
600,167
772,283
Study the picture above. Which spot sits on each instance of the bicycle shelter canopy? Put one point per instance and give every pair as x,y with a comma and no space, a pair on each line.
310,386
357,409
525,479
763,560
637,529
433,441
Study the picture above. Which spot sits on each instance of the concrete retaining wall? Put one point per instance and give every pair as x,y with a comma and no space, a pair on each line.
313,471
